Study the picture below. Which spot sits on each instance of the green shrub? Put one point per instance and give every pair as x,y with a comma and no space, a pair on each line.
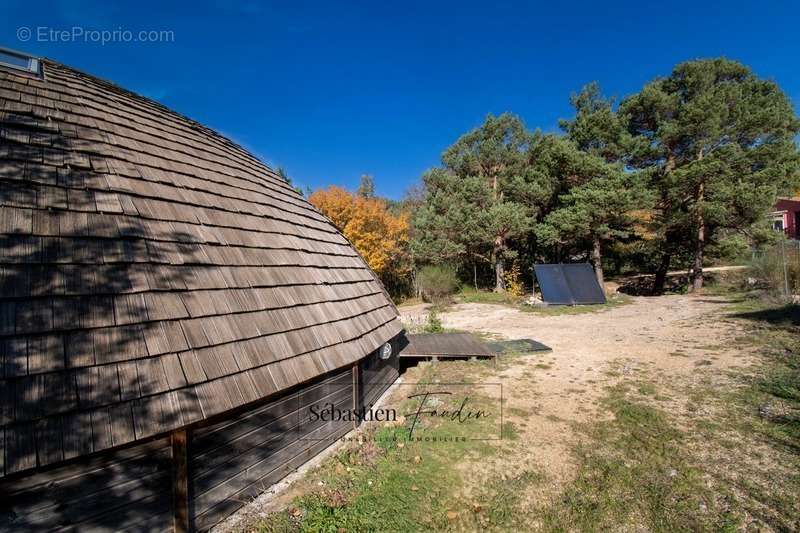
433,324
437,283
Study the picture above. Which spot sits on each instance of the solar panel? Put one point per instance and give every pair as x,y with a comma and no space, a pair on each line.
553,284
583,283
569,284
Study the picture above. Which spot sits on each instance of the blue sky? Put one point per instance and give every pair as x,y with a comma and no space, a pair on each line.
332,90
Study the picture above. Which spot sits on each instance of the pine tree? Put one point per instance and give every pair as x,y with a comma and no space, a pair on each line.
598,194
498,153
596,128
450,223
718,143
595,214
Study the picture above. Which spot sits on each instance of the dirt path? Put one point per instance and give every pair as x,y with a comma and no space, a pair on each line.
675,339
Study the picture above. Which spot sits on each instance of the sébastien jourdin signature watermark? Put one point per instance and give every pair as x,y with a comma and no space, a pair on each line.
452,402
79,34
461,414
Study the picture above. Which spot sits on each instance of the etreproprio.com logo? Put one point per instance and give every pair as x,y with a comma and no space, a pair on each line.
79,34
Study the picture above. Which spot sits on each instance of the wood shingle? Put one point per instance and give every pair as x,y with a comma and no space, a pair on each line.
154,274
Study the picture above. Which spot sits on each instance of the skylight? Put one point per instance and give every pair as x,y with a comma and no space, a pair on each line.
18,60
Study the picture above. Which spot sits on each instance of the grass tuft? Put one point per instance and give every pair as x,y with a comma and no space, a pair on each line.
634,474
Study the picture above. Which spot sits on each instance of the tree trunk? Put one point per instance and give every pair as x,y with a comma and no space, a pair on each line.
475,274
597,261
499,272
666,257
699,249
499,247
661,273
700,245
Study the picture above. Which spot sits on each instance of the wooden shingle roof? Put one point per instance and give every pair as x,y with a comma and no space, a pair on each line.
153,273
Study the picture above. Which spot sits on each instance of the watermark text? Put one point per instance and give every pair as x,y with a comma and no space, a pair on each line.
79,34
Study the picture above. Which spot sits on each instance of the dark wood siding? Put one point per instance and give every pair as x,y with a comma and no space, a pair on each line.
119,490
375,375
230,462
233,461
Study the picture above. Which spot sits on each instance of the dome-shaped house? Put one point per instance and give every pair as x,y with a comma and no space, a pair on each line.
169,306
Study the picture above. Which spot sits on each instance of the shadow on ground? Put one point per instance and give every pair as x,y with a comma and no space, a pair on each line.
643,285
786,316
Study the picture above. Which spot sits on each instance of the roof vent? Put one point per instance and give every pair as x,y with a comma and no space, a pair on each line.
19,61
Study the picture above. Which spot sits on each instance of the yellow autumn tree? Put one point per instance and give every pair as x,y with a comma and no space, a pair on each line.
379,236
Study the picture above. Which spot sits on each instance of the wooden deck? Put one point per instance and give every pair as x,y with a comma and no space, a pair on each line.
444,345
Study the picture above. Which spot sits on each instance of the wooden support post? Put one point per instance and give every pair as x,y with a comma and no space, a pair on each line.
180,482
355,394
